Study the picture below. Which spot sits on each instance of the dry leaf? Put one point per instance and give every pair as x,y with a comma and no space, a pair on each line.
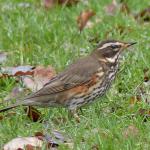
111,8
22,142
33,114
59,136
50,3
131,130
135,99
29,83
16,71
145,113
3,57
144,15
36,142
1,117
40,77
146,75
68,2
83,18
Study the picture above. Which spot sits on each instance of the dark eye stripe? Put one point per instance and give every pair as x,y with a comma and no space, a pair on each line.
115,46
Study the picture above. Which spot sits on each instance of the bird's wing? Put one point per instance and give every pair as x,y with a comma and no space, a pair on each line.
76,74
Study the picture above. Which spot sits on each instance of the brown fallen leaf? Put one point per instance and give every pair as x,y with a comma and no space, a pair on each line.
111,9
37,141
22,142
1,117
16,71
54,139
68,2
146,74
51,3
3,57
131,130
145,113
135,99
30,147
41,76
144,15
83,18
59,136
33,114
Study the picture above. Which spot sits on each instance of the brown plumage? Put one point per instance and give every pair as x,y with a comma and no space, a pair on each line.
81,82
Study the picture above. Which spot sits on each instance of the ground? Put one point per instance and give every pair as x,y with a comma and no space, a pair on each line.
36,36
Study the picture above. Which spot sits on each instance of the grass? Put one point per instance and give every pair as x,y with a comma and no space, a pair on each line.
36,36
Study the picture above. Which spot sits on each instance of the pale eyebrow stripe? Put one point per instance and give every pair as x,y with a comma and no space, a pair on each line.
109,44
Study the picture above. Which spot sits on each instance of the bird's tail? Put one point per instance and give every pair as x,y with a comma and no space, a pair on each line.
9,107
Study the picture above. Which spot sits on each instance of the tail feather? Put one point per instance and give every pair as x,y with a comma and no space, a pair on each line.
9,107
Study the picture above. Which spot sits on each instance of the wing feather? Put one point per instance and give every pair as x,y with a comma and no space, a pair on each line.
76,74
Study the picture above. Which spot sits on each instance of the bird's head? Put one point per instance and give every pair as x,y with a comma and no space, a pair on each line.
110,50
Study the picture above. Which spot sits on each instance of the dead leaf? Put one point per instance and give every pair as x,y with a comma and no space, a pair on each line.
59,136
135,99
68,2
30,83
30,147
37,141
144,15
1,117
33,114
3,57
145,113
51,3
22,142
111,8
16,71
41,76
83,18
131,130
146,75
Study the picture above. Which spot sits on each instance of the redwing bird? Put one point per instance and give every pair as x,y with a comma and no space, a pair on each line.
82,82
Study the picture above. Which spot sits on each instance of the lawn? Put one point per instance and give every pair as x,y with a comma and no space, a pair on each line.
36,36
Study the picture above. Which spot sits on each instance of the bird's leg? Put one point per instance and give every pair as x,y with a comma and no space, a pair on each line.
75,115
81,110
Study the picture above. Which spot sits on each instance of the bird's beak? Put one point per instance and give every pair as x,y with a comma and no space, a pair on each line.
129,44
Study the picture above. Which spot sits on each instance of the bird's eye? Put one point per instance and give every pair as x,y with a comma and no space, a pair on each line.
114,46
